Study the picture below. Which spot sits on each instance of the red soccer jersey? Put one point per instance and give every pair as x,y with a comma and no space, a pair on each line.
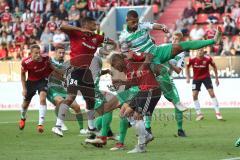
143,78
29,28
36,70
83,46
6,17
200,67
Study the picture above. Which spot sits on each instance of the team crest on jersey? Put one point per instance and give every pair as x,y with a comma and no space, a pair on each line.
94,40
204,62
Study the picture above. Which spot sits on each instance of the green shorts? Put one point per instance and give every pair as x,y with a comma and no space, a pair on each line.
128,94
168,88
54,92
161,54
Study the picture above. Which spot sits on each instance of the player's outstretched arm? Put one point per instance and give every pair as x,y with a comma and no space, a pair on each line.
162,27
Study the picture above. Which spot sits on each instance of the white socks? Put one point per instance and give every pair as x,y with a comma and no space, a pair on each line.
42,113
61,114
141,132
90,115
215,104
197,107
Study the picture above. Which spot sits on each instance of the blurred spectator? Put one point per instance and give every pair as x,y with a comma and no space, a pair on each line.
58,38
92,9
51,24
227,47
81,5
230,4
204,6
5,40
17,13
38,20
181,26
229,26
28,27
37,6
236,46
197,33
27,15
46,39
3,4
189,14
3,52
61,13
19,39
236,12
68,4
21,5
6,16
210,31
49,8
218,6
74,16
17,26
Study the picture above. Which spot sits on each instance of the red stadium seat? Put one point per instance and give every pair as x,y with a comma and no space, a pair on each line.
234,38
155,9
197,5
202,18
217,15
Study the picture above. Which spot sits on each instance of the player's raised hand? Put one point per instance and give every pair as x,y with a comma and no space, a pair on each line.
165,29
217,82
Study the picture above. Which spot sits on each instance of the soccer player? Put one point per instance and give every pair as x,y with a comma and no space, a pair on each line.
38,69
168,87
83,44
200,65
56,91
136,37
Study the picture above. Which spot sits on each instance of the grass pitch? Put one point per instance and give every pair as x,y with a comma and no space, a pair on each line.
207,140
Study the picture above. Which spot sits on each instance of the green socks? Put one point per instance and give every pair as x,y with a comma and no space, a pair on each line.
179,118
79,120
147,120
106,121
123,129
193,45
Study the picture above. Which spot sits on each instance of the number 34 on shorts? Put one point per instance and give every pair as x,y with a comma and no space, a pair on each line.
73,82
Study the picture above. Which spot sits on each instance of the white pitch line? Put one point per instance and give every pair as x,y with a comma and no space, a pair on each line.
236,158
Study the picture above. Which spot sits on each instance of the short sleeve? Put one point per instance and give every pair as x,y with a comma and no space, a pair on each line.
180,61
146,25
23,66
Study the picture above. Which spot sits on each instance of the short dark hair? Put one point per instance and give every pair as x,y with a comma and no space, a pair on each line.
132,13
87,20
35,46
116,57
59,46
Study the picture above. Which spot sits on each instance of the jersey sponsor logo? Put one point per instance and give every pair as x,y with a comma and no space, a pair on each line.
94,40
28,60
204,62
88,46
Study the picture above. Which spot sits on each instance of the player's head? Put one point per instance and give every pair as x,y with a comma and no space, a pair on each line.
35,52
60,53
117,62
89,23
132,20
201,52
177,37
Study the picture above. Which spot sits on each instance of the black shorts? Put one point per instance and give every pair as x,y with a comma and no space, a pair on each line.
146,101
33,86
80,79
196,84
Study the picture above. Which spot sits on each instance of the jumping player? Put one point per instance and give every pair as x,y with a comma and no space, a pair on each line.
83,44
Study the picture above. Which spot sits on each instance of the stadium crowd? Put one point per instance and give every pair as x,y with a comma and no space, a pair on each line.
201,17
35,21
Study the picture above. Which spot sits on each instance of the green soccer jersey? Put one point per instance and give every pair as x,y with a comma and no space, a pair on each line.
53,81
138,41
